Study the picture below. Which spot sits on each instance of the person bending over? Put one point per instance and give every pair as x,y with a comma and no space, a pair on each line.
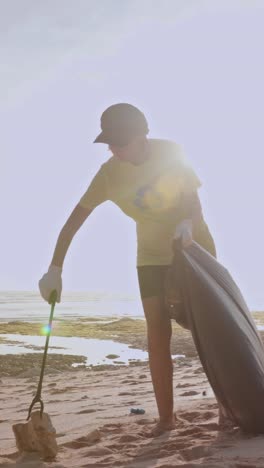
151,181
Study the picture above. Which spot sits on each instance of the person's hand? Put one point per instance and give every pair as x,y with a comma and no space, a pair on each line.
50,281
183,232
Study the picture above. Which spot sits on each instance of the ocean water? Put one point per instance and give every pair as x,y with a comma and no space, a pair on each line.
29,306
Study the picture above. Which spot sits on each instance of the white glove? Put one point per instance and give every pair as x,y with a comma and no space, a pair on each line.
183,231
50,281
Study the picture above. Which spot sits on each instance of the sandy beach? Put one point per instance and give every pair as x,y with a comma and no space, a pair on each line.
90,410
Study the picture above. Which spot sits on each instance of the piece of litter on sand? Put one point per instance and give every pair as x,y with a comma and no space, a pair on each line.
137,411
37,435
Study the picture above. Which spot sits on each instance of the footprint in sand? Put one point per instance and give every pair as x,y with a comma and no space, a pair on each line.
183,385
208,415
97,452
194,453
192,431
210,426
128,438
143,422
89,439
111,429
190,416
210,406
112,426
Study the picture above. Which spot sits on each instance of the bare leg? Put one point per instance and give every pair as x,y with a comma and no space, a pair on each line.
160,362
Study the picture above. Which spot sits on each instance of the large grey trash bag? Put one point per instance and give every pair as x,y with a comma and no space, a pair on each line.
225,335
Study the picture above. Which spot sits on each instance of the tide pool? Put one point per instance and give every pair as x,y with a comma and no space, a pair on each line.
94,350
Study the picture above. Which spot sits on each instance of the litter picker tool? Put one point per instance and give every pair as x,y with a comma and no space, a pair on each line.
37,398
38,433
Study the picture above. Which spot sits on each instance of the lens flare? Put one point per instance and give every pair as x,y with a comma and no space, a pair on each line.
46,329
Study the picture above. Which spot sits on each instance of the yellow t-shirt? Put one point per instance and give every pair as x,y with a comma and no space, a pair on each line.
149,193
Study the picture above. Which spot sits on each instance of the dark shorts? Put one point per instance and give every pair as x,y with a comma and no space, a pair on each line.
151,280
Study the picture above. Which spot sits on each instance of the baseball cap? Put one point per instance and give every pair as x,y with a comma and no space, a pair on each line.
120,123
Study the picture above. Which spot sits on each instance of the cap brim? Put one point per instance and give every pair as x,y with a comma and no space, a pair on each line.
120,140
101,138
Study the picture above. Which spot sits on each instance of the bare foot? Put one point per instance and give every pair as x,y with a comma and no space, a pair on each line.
161,427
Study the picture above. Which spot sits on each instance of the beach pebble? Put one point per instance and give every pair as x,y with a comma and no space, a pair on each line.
190,393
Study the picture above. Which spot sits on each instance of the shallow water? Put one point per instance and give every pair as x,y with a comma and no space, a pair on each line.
94,350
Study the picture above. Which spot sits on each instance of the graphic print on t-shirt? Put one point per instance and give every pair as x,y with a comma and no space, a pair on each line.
148,197
160,194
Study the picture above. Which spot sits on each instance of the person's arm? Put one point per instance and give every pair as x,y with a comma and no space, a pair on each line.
191,214
189,209
95,194
52,280
191,206
72,225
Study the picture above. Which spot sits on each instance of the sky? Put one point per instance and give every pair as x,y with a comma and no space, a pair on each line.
194,67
